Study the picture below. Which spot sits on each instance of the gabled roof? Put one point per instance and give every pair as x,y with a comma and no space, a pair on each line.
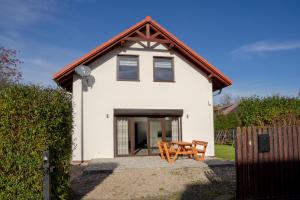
226,109
145,30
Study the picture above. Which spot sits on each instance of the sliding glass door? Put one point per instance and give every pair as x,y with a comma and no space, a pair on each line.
162,129
139,135
155,134
172,129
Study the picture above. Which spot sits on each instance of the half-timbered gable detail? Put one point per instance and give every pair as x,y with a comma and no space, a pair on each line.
145,86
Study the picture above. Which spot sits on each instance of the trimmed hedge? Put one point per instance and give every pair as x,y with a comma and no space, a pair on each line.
261,111
268,111
227,122
32,120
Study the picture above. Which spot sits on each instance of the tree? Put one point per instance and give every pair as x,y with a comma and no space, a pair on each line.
226,99
9,67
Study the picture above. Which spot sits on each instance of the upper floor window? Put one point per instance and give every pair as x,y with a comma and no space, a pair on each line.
128,68
163,69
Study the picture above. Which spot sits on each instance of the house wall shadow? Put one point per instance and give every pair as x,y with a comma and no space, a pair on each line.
83,181
269,179
220,185
263,180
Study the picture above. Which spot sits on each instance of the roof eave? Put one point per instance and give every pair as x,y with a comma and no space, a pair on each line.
219,76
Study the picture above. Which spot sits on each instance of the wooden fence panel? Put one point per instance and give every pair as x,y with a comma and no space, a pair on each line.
239,169
270,158
244,160
271,170
260,168
250,160
255,156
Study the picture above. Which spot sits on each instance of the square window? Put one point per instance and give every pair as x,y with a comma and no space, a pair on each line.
163,69
128,68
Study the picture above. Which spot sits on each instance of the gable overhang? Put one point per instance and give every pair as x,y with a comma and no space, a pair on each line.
150,31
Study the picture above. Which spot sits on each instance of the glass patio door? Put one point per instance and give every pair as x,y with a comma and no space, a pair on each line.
162,129
155,134
139,135
171,129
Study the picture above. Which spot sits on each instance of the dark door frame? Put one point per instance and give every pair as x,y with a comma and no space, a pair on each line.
149,114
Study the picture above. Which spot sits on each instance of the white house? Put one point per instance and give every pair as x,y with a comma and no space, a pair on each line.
145,85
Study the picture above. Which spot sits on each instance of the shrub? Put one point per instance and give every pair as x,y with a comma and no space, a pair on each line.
226,122
269,111
261,111
32,120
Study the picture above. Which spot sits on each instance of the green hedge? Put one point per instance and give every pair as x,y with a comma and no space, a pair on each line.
226,122
261,111
32,120
269,111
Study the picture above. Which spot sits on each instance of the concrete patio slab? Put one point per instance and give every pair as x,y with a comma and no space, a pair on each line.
144,162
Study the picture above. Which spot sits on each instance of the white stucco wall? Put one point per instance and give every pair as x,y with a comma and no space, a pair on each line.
191,92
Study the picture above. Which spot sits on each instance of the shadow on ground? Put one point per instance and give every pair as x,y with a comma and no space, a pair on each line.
83,182
221,186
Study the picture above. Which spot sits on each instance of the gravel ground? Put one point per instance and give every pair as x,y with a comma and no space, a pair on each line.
157,183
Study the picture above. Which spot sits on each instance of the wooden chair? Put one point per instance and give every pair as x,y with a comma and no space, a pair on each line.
199,153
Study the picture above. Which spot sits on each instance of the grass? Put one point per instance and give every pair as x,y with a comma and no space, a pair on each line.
225,152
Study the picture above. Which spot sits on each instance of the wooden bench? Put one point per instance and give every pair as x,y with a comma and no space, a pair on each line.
199,153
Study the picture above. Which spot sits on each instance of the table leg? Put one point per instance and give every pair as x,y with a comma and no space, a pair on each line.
177,152
196,154
189,155
167,152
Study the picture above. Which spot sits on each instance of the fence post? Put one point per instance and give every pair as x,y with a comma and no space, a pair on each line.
46,179
233,137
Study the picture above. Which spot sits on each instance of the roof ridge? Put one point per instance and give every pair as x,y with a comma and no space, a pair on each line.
181,46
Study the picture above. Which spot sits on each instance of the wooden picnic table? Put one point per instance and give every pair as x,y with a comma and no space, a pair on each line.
173,149
184,148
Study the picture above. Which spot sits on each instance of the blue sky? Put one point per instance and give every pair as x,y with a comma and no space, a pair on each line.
255,43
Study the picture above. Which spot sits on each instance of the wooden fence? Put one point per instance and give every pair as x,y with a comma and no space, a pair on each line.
267,162
225,136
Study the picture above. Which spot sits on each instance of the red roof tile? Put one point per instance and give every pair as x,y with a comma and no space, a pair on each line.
218,76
